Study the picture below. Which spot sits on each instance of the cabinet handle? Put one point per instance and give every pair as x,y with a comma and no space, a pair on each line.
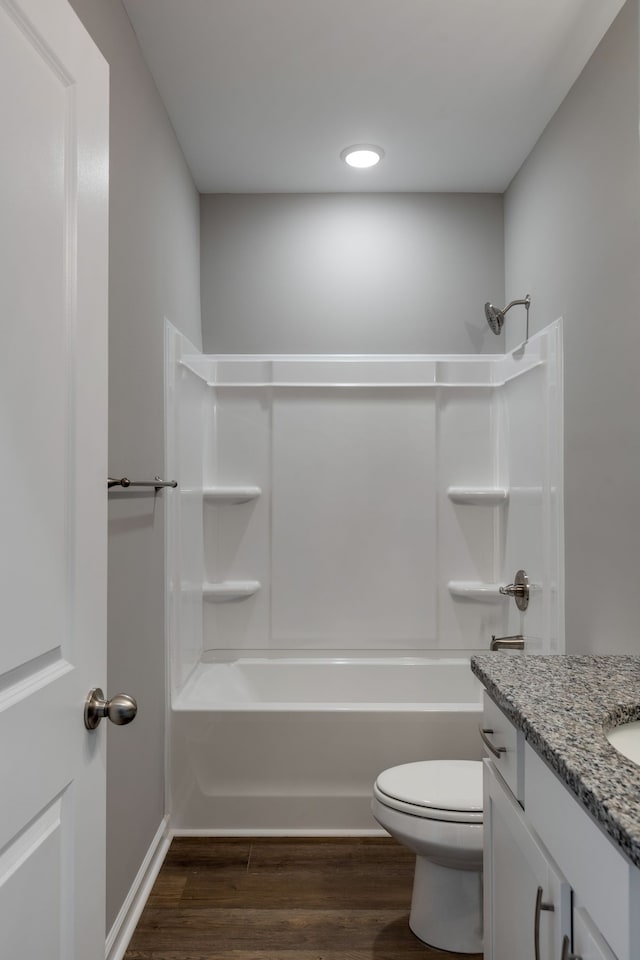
540,906
565,950
496,751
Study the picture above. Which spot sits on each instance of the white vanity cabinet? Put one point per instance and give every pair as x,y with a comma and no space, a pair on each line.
544,840
527,901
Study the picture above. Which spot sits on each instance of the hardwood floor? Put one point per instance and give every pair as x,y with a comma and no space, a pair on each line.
281,899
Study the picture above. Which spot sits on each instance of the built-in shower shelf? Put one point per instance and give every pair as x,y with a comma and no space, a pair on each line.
478,496
231,494
230,590
475,590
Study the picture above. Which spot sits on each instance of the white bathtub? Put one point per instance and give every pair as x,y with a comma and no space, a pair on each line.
292,746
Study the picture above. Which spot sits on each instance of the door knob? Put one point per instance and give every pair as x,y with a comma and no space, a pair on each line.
120,709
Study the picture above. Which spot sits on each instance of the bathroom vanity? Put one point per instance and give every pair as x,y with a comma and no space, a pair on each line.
561,808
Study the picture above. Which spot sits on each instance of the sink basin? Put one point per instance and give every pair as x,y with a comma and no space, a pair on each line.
626,740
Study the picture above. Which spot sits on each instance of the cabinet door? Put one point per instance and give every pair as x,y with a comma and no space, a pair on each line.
588,944
526,900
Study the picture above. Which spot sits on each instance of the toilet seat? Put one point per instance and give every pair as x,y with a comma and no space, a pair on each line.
447,790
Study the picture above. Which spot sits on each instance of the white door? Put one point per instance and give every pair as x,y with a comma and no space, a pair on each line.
53,469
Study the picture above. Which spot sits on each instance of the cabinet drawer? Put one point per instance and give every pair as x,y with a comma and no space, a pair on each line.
509,744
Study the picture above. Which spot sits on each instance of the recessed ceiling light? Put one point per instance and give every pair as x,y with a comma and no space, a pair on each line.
362,155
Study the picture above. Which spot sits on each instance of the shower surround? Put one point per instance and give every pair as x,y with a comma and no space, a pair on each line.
339,535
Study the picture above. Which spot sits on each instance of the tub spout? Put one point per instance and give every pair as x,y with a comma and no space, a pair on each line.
515,642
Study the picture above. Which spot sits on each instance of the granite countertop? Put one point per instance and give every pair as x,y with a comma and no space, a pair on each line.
564,704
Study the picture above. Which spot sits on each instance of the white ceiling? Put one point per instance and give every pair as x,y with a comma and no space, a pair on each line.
264,94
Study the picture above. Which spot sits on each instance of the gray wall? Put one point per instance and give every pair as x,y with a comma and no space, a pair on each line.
154,272
344,273
572,233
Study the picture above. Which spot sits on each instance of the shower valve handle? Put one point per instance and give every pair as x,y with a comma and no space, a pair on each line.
519,590
513,590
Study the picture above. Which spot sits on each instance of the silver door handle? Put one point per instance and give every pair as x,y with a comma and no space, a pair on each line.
120,709
540,906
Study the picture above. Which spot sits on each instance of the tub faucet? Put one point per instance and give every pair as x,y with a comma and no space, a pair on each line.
515,642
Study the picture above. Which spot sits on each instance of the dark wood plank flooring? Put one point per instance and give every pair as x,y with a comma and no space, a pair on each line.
281,899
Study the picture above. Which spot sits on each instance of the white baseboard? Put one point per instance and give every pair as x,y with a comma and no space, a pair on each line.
186,832
125,923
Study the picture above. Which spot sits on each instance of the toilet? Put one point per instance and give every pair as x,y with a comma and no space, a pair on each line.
434,807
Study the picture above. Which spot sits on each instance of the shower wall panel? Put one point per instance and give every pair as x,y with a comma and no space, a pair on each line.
469,534
354,518
531,408
186,404
237,536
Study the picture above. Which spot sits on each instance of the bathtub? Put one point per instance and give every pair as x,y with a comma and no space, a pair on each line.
292,746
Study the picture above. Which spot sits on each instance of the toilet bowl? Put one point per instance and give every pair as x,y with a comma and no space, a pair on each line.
434,807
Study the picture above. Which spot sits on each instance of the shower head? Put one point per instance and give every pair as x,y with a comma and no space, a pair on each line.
495,316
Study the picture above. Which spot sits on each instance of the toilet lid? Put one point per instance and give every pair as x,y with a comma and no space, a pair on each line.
454,785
